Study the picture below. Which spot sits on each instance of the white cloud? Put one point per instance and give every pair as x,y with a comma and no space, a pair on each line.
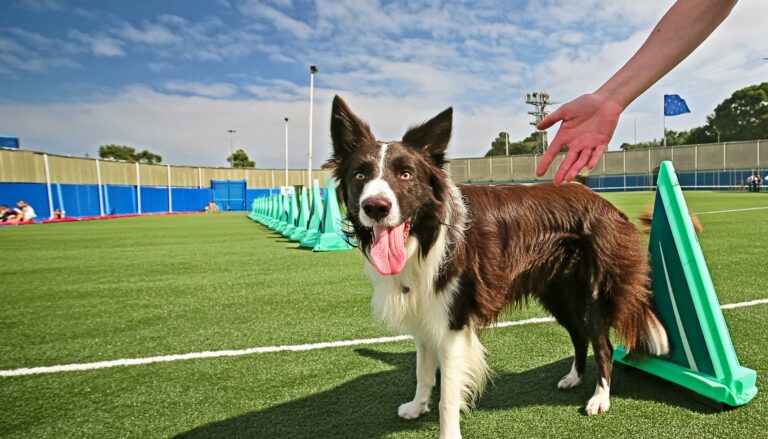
150,33
24,51
212,90
40,5
100,45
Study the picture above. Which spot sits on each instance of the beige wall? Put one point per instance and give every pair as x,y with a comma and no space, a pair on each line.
28,167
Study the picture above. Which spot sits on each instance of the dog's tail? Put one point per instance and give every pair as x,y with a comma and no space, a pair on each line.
646,218
641,330
626,290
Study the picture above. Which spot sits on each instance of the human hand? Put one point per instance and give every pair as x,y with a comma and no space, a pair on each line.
588,123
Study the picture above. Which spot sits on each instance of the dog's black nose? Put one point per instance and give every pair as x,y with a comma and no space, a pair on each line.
377,207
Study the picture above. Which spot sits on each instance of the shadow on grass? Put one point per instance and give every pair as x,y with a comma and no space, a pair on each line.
369,403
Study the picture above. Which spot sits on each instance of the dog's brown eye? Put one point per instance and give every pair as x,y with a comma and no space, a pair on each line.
406,176
359,176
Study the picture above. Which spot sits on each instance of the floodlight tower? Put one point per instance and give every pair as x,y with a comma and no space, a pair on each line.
539,100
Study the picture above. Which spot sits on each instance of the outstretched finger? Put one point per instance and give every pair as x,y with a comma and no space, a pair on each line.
551,119
596,154
570,158
579,165
549,155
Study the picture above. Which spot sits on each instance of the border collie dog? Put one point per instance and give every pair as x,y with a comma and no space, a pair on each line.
445,260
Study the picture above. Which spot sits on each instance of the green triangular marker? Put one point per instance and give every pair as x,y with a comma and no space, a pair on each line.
293,215
282,215
331,239
254,209
301,224
273,209
266,210
701,356
315,219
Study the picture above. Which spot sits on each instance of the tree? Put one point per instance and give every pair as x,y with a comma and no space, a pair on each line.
743,116
525,146
239,159
127,153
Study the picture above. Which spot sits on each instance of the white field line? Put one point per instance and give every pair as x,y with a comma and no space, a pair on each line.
732,210
268,349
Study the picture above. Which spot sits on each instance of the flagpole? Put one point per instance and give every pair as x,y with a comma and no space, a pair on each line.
664,130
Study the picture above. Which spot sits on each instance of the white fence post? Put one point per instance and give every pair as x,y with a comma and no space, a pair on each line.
624,158
170,197
138,189
48,184
98,180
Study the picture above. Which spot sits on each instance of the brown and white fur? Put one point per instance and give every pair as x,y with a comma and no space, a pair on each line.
473,251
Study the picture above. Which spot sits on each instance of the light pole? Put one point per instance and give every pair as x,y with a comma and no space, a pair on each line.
286,151
312,71
506,129
231,141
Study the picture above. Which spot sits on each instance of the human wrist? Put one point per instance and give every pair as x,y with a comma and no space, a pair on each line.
615,100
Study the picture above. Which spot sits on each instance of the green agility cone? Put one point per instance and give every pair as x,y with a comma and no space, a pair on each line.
270,219
701,358
301,225
282,219
293,216
254,209
331,239
315,219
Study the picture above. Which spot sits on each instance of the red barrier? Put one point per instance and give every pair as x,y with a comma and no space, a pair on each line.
95,217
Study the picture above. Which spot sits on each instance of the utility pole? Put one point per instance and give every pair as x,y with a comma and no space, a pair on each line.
231,142
312,71
286,151
539,100
506,130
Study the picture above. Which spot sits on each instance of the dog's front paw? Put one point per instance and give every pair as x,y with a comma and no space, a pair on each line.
412,410
599,403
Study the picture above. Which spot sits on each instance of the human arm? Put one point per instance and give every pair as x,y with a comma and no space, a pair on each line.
588,122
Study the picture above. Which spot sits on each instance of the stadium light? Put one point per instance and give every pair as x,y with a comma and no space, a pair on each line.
312,71
286,151
231,141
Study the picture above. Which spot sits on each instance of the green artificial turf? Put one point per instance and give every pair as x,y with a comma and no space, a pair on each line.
145,286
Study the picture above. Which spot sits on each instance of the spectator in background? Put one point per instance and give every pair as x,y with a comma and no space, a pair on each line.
7,214
58,214
757,180
26,212
753,181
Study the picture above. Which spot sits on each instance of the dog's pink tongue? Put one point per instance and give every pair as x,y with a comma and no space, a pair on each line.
388,250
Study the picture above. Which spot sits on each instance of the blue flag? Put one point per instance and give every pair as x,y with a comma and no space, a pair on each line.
674,105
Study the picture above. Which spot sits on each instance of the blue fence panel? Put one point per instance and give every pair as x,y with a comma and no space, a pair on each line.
119,200
154,199
77,199
34,194
229,194
190,199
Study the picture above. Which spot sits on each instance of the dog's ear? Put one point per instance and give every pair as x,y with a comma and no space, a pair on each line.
347,131
432,136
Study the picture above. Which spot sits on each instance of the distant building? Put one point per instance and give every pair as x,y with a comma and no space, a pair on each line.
9,142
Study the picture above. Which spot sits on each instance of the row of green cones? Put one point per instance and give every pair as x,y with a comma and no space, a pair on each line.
311,221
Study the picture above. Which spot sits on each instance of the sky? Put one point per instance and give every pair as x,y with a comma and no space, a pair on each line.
173,76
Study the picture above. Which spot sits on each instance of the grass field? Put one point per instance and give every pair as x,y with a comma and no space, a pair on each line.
147,286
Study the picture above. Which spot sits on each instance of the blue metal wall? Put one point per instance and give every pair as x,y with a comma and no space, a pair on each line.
229,194
79,200
34,194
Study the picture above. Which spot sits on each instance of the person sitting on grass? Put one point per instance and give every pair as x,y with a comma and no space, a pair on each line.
26,212
7,214
58,214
